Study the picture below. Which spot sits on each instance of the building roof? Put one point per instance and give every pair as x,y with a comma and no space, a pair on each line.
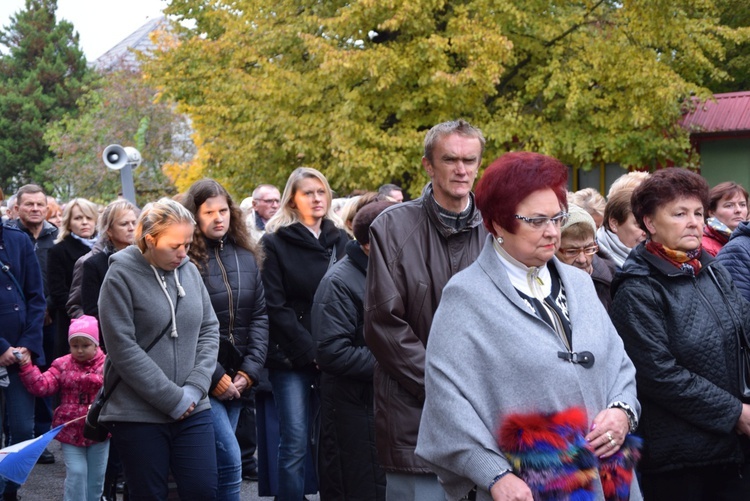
726,113
139,40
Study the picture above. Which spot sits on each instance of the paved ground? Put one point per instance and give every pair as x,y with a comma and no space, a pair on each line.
46,482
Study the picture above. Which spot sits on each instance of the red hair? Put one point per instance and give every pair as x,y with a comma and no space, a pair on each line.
513,177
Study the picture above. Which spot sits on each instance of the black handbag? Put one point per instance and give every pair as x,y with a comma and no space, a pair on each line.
92,428
229,357
744,364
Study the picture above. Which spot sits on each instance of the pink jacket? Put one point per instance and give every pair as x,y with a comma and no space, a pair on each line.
77,383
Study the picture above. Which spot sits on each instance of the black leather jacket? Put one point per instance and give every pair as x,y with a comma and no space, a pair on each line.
680,332
413,254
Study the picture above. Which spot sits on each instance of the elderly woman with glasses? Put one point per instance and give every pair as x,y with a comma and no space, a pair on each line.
531,383
681,318
578,248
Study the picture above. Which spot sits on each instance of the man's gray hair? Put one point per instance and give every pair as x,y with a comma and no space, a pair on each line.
386,189
439,131
257,189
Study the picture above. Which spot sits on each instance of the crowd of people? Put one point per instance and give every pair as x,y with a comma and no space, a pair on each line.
518,342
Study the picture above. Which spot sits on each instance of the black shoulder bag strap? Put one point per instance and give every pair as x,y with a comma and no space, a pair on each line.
106,396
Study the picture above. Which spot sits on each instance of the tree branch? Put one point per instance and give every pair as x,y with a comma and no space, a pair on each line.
513,72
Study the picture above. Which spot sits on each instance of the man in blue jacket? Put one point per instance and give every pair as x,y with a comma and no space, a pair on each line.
22,307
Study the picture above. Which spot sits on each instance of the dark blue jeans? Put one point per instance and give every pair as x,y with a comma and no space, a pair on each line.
149,452
291,390
19,406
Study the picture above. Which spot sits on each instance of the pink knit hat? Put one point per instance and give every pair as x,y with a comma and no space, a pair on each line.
84,326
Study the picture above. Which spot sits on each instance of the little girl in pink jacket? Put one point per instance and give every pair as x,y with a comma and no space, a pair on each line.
78,377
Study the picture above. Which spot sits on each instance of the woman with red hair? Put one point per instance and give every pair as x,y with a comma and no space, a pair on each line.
523,360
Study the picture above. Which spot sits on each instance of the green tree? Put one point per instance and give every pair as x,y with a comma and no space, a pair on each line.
351,86
42,75
122,111
736,14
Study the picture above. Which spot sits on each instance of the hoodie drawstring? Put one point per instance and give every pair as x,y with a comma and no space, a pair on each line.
180,293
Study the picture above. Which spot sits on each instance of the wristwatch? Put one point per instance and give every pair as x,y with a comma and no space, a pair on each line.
632,418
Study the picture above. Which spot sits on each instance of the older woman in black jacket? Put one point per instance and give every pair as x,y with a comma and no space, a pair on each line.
303,240
348,465
680,316
229,262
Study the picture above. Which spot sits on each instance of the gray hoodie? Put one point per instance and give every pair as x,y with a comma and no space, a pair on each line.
157,387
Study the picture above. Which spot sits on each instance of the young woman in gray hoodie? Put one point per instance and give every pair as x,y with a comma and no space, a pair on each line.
156,412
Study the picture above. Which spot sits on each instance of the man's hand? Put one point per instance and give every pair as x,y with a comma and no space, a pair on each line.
8,358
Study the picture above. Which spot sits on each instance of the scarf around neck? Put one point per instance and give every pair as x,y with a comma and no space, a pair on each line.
88,242
611,243
720,229
687,261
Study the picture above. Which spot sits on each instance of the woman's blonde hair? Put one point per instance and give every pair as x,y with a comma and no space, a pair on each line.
156,217
88,208
112,213
589,200
287,215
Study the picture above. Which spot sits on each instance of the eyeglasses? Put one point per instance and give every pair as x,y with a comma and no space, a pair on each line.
269,201
573,252
541,222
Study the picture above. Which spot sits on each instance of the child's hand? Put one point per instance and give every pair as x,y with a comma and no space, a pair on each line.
25,356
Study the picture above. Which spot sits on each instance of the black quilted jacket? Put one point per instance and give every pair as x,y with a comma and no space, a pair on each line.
233,281
679,330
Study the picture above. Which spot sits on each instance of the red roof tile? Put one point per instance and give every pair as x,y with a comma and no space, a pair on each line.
729,112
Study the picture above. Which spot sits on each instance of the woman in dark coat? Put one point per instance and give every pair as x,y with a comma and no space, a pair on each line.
680,316
348,464
77,236
229,260
303,240
117,230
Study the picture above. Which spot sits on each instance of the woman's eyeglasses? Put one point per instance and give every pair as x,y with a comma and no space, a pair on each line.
541,222
573,252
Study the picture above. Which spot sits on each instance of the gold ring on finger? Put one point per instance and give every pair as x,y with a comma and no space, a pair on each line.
612,443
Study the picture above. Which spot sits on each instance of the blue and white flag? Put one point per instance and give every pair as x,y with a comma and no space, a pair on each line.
17,460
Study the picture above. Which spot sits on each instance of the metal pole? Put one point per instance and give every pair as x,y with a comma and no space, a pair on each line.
128,187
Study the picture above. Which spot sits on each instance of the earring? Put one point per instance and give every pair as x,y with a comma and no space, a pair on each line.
499,240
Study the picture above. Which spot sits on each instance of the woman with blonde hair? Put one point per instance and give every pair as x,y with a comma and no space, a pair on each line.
591,201
77,237
304,238
162,342
116,231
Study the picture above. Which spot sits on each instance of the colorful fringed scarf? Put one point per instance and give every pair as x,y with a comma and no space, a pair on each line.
688,261
550,453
